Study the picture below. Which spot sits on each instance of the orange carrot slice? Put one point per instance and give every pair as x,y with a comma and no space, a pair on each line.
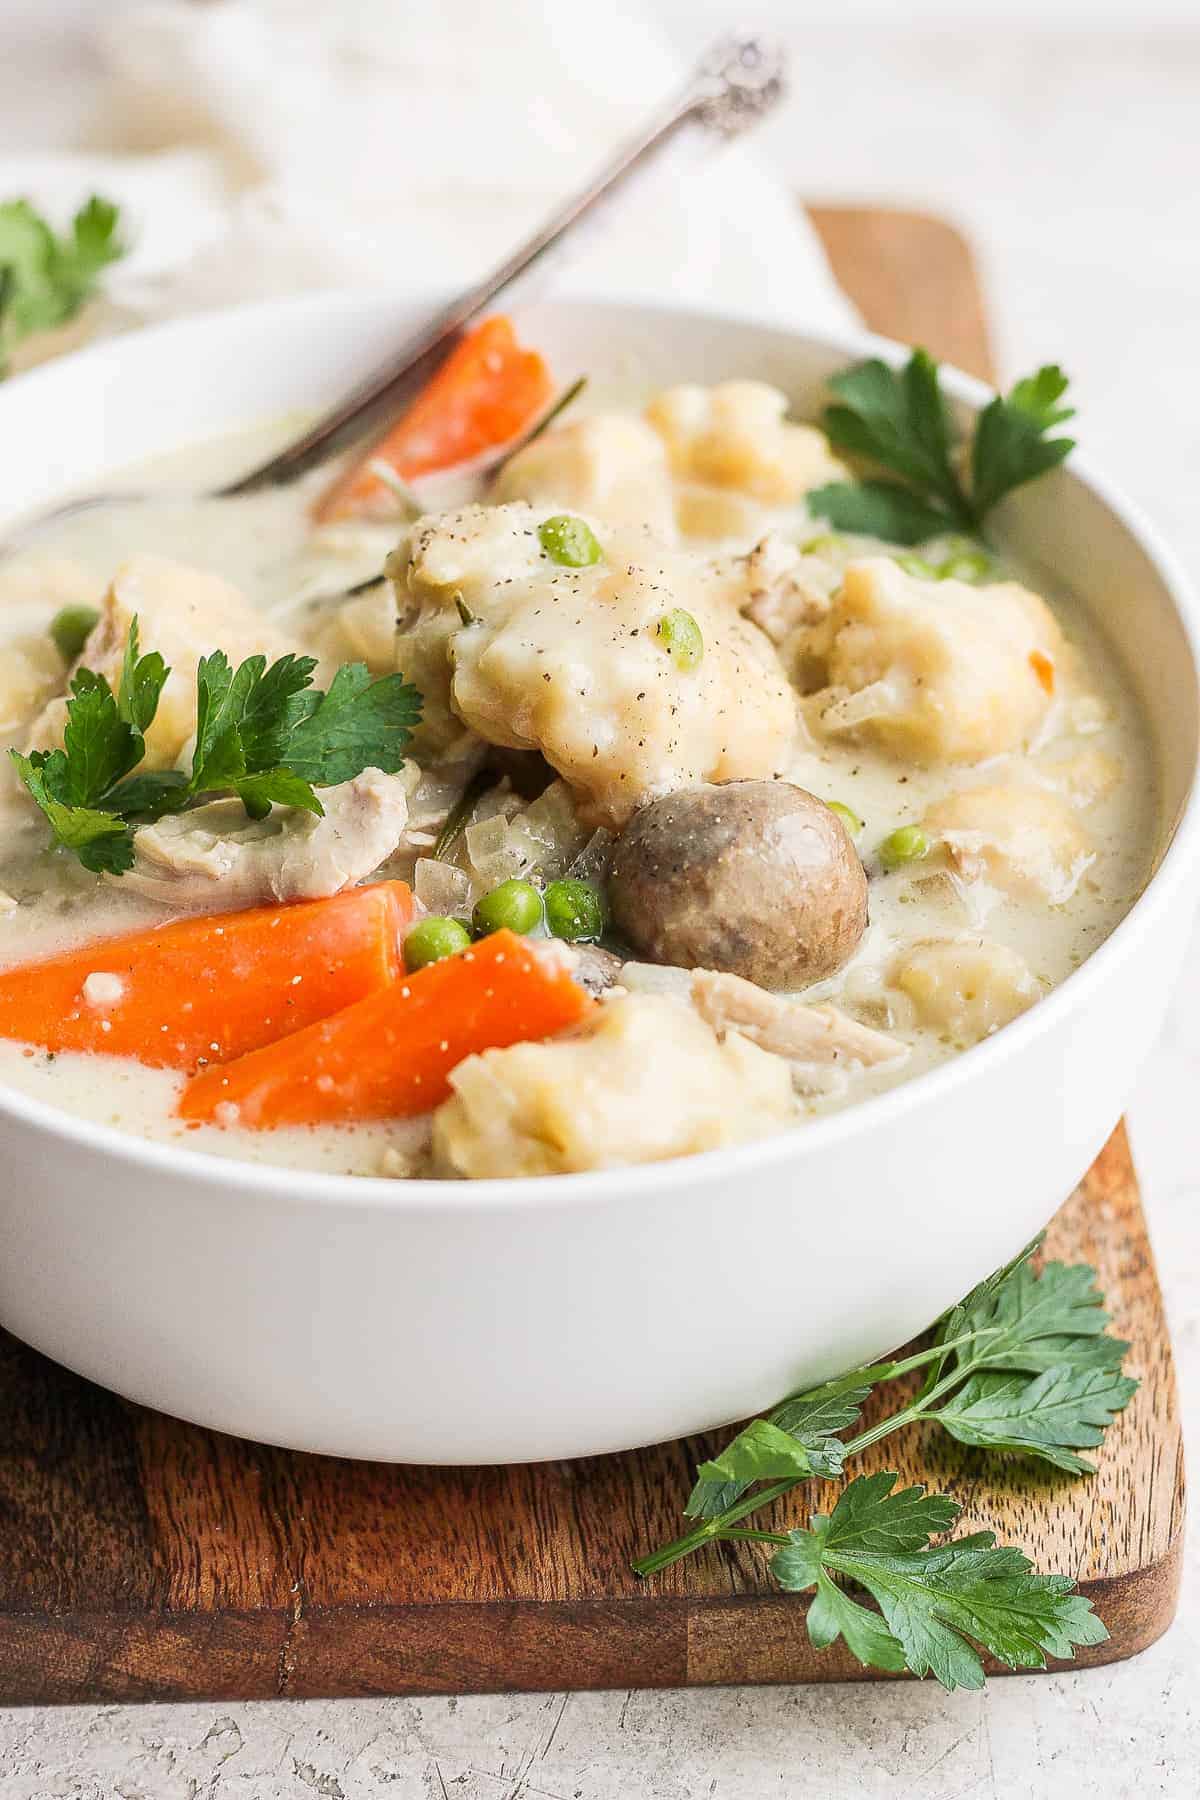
486,391
210,988
1043,668
391,1055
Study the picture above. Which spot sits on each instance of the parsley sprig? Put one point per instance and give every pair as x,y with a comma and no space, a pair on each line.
45,278
898,420
936,1604
263,733
1023,1365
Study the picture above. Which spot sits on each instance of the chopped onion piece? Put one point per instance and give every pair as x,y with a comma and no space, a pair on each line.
486,838
591,864
877,700
552,821
497,802
442,888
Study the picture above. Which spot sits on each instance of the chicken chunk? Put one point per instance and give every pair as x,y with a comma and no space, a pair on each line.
784,588
216,858
185,613
788,1028
644,1080
530,655
736,435
1021,839
610,465
936,671
595,968
966,989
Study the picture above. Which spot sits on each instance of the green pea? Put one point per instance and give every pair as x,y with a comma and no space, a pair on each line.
575,910
847,815
569,541
431,940
958,546
513,906
907,844
917,565
71,629
681,638
968,565
828,544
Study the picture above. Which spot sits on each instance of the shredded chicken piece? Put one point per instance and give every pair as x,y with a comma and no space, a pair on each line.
657,978
595,968
789,1028
784,588
218,858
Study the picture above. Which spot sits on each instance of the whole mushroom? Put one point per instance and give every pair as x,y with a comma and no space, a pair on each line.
758,878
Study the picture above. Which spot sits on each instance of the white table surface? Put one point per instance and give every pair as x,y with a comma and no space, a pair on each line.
1073,158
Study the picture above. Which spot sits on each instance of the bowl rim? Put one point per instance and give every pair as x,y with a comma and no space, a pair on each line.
633,1182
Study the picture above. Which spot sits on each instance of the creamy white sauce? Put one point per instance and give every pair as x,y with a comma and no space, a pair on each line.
266,545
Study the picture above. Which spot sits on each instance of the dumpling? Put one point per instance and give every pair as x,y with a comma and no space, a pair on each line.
185,614
965,988
361,629
644,1080
570,661
1086,778
736,435
611,465
452,566
936,671
31,670
1021,839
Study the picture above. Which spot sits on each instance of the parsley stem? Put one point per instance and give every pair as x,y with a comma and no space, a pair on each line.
891,1371
716,1530
916,1409
711,1528
753,1537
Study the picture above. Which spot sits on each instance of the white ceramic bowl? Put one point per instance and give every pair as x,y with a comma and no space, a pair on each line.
508,1321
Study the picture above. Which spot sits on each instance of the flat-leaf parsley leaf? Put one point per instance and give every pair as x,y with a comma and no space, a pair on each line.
45,278
1024,1365
937,1602
262,733
897,421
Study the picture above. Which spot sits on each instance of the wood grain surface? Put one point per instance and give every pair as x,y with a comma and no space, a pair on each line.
142,1559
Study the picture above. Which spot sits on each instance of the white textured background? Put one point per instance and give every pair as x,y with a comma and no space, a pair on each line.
1066,139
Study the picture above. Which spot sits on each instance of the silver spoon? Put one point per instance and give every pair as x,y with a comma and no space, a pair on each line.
738,81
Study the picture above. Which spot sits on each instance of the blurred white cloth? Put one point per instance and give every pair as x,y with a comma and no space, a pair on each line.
262,146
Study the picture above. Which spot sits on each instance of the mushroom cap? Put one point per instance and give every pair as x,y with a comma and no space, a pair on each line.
758,878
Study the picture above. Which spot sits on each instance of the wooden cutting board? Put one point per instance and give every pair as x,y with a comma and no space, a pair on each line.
143,1559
